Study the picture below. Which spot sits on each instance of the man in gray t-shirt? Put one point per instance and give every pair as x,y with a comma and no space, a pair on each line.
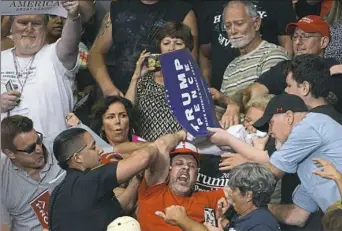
304,136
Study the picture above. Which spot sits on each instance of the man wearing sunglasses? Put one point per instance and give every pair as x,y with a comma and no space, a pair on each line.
85,200
28,171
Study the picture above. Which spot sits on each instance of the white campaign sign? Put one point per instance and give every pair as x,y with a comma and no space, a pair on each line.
32,7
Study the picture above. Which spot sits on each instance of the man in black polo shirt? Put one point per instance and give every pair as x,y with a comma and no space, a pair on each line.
310,36
85,200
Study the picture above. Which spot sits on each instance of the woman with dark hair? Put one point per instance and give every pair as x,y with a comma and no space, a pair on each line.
111,120
147,91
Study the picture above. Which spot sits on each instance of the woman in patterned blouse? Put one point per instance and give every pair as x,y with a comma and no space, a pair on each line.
146,90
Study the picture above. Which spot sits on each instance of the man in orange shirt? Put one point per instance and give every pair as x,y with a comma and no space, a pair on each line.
170,182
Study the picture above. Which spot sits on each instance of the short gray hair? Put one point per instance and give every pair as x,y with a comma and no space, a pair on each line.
255,178
251,9
45,18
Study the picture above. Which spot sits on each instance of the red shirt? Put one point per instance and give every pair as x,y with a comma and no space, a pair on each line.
159,197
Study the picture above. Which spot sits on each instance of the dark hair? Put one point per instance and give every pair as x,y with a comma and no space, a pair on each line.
332,220
314,70
176,30
255,178
11,127
100,108
67,143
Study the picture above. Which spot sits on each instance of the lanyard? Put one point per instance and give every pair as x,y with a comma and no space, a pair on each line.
27,69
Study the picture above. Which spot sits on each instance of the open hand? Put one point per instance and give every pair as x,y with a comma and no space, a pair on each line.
231,160
231,116
328,170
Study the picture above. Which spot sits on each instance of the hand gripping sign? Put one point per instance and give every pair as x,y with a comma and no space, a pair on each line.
187,93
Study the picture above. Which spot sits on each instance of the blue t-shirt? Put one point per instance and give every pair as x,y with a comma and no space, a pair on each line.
260,219
316,136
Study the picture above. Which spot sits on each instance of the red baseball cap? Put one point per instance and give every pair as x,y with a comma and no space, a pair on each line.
310,24
185,148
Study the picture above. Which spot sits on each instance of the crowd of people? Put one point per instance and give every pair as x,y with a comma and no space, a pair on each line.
89,141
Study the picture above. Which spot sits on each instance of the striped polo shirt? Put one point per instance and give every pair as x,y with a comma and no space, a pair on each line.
245,69
18,189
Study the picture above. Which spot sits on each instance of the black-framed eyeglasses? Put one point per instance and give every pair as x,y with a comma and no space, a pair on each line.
75,153
304,37
32,147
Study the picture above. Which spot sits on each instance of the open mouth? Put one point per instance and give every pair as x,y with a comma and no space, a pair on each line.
183,178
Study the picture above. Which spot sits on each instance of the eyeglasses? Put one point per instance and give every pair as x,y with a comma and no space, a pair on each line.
32,147
75,153
304,37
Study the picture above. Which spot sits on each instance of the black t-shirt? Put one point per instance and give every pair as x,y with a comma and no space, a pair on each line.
260,219
304,9
275,14
84,201
134,26
275,81
209,176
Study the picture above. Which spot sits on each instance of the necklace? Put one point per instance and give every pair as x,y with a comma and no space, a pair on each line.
23,74
19,75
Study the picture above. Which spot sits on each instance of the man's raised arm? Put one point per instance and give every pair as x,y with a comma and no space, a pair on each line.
67,46
154,158
159,168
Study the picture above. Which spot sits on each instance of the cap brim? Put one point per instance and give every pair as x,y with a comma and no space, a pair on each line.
262,123
308,28
185,151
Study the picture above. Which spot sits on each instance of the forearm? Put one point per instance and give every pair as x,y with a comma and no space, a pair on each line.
288,214
129,147
339,184
67,47
187,224
191,21
131,92
167,142
205,65
128,197
236,98
247,150
98,69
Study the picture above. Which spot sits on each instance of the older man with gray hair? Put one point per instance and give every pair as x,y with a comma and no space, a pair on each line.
242,24
249,191
36,77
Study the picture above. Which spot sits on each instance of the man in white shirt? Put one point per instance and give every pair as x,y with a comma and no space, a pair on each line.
37,78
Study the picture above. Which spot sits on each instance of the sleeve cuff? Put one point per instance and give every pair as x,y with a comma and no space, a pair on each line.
281,165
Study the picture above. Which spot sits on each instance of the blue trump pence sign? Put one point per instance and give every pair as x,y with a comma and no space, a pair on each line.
187,93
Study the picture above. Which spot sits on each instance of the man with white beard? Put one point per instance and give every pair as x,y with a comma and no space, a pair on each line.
36,77
242,24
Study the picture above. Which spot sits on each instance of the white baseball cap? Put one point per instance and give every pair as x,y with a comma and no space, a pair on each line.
124,224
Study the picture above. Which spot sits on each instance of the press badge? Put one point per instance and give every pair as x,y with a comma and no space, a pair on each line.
210,217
